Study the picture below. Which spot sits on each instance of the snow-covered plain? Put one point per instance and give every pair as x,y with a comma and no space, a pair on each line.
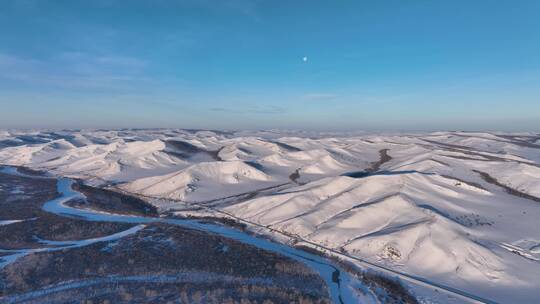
459,209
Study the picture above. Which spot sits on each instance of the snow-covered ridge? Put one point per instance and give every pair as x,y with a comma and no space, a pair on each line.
457,208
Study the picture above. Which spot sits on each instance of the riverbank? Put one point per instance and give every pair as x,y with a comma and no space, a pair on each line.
341,289
142,260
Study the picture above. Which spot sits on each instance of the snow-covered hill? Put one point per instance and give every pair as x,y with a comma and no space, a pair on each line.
456,208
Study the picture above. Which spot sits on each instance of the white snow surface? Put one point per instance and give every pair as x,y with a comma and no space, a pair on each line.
428,210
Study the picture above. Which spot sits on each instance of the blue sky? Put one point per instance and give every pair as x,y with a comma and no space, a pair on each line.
373,65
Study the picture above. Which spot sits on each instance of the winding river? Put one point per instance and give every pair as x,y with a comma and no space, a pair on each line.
342,287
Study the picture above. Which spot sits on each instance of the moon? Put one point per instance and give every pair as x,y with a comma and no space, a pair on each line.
304,59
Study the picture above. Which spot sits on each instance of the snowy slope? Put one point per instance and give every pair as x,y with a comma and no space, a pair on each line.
456,208
207,180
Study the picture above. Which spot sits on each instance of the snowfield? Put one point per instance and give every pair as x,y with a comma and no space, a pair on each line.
459,209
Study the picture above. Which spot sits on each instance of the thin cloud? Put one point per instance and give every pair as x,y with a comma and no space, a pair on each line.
319,97
217,109
76,70
272,109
